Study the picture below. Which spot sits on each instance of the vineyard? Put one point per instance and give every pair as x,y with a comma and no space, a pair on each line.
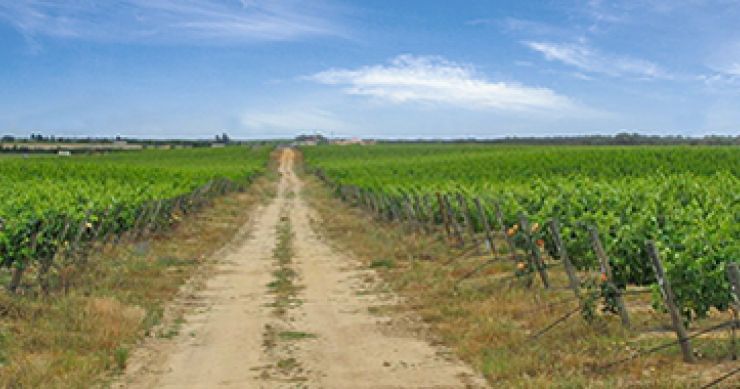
52,208
610,211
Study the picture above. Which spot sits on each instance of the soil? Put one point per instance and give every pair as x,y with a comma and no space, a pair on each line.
330,335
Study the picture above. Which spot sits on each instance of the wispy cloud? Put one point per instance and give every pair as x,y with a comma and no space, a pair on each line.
293,120
433,80
591,60
176,21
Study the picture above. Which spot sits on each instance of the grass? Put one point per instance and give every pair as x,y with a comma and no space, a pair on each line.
77,340
490,324
295,335
283,285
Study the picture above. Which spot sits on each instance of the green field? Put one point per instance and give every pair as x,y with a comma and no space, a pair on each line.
51,197
687,199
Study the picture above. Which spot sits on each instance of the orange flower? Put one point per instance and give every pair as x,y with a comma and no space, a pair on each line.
512,232
604,278
541,243
521,266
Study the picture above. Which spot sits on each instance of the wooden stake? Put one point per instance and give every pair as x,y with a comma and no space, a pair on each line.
153,220
443,214
502,225
563,254
100,226
21,266
486,226
606,269
81,231
536,255
733,275
468,220
454,222
670,300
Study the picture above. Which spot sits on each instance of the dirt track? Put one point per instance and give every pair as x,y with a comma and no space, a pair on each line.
233,338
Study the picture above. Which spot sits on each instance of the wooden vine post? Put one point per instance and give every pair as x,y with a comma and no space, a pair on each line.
733,275
101,224
149,227
575,285
429,213
22,264
536,256
410,215
2,228
47,261
468,220
421,216
509,241
606,270
443,214
670,300
453,220
80,233
486,226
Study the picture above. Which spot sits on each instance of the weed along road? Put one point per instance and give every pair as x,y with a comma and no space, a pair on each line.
284,309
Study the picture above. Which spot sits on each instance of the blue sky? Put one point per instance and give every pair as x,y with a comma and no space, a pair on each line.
381,68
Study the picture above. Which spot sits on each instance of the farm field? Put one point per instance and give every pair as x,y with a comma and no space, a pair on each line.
50,203
495,204
683,198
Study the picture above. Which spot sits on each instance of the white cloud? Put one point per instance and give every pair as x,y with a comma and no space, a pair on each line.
179,21
437,81
590,60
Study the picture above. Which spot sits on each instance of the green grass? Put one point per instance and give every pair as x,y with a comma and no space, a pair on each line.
295,335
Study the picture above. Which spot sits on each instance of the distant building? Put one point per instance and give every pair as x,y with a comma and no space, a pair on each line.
64,153
310,140
218,145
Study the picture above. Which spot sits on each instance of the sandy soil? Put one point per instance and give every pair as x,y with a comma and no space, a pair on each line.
233,338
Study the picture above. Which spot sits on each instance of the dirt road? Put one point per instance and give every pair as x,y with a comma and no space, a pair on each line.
285,310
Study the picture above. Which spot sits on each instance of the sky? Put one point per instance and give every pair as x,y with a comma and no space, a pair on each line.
401,69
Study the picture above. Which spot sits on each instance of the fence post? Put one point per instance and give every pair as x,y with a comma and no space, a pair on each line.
2,228
468,220
153,219
563,253
429,213
607,271
486,226
24,260
509,242
134,231
46,262
536,257
670,299
392,207
733,275
112,221
453,220
443,213
374,203
100,226
80,232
